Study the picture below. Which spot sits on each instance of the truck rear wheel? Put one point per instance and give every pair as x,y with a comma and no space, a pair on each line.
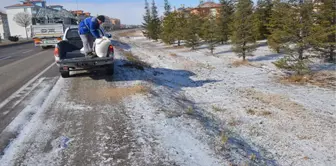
65,74
44,47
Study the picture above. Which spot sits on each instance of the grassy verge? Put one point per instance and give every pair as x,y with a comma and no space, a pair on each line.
135,62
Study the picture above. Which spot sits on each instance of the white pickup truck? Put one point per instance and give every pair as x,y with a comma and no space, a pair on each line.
68,56
45,35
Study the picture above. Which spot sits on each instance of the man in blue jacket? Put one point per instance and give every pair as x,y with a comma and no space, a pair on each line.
89,30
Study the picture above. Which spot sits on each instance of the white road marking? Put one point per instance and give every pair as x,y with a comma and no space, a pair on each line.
6,101
27,51
6,57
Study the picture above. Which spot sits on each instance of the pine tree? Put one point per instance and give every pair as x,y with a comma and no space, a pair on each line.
192,31
209,28
262,16
147,20
167,8
224,21
274,40
290,27
180,28
324,29
168,28
243,37
155,23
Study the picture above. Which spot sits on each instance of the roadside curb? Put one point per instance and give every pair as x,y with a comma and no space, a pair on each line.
15,44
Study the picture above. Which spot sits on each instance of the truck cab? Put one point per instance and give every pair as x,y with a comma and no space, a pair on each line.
68,56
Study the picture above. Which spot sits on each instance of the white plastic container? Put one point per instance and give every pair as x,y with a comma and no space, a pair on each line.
101,46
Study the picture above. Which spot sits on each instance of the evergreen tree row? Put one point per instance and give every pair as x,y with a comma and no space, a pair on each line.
296,27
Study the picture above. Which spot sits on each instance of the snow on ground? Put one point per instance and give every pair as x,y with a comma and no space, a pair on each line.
187,108
295,124
27,124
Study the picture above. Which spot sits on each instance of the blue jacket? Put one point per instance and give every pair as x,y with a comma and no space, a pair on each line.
89,25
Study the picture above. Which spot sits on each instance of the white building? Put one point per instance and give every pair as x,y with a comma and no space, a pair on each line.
107,24
4,28
40,14
30,7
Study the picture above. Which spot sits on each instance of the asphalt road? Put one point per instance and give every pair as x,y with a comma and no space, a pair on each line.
21,65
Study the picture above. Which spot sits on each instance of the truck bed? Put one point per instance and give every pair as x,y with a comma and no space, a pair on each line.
76,56
72,58
69,58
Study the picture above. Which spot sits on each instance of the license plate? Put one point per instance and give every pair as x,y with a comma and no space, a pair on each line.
50,42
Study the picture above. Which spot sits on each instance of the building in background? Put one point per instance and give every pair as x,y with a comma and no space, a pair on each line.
4,28
30,8
107,25
204,9
41,14
56,7
116,23
80,14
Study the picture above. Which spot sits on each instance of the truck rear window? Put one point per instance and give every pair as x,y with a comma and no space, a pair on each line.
72,33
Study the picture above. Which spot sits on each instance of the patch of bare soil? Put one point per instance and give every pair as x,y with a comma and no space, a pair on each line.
325,79
85,90
115,94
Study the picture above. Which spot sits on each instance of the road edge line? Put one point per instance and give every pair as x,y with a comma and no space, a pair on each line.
12,96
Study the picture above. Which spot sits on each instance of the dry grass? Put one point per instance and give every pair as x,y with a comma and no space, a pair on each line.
265,113
224,139
173,54
258,112
253,157
136,62
217,109
303,137
326,79
279,101
297,79
190,111
238,63
251,112
233,122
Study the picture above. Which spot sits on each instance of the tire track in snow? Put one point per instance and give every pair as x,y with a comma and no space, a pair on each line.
28,123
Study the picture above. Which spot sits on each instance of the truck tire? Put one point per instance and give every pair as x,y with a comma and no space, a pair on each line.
65,74
44,47
110,69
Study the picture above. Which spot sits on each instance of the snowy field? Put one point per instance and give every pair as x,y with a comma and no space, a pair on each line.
187,108
293,124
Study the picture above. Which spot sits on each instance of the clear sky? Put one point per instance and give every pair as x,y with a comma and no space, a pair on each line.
129,11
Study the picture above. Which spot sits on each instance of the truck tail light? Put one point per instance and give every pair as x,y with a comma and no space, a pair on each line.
37,41
56,52
111,49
